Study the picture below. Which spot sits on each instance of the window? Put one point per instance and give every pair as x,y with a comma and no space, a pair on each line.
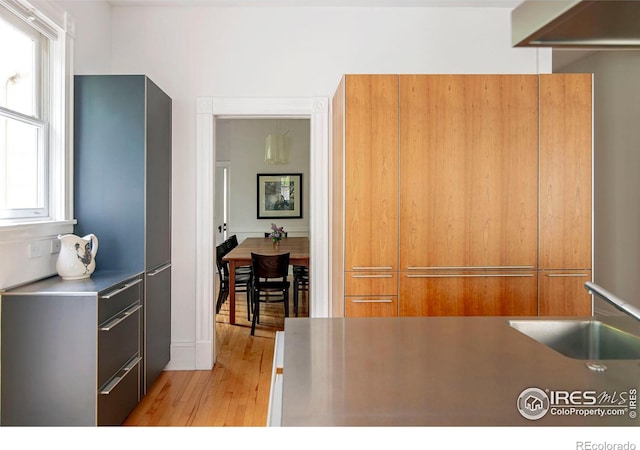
35,118
24,162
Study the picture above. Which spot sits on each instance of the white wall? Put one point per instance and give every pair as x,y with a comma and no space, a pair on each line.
92,52
200,51
242,143
616,162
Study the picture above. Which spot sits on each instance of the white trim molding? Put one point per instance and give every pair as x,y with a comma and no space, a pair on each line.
316,109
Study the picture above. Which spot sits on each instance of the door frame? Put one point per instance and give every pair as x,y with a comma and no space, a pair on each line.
208,109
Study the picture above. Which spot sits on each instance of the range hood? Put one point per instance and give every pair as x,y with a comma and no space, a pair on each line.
587,24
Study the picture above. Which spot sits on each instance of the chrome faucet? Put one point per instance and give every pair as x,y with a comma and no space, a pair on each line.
617,302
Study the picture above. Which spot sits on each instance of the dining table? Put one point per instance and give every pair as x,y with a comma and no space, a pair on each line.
297,247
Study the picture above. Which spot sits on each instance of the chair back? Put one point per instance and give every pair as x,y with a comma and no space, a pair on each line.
223,267
270,266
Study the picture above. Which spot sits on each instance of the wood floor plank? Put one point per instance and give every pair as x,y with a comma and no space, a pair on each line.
235,392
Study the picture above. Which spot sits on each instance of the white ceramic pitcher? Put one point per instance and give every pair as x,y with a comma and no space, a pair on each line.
77,256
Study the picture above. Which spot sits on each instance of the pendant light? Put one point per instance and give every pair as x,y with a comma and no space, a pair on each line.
277,148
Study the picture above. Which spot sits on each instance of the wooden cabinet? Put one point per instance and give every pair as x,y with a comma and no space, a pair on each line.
562,293
565,244
469,293
468,165
369,149
565,171
72,353
468,194
371,165
464,187
371,294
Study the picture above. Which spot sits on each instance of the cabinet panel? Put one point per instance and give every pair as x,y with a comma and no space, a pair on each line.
562,293
157,348
565,171
468,294
371,306
49,356
158,186
468,164
121,297
117,400
118,342
109,167
371,168
371,283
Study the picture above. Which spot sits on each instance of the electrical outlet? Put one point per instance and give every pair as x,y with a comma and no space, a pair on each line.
55,246
35,250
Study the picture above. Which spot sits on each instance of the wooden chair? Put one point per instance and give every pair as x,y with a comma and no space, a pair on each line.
300,283
242,281
269,283
230,244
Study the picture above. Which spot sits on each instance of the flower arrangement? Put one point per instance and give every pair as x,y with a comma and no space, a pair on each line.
277,233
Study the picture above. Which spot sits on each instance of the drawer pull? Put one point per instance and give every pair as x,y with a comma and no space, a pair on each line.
111,385
123,288
386,275
121,317
469,268
555,275
159,269
454,275
372,300
372,268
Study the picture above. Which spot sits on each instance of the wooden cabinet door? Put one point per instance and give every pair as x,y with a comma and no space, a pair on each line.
469,170
371,172
371,306
565,171
468,294
562,293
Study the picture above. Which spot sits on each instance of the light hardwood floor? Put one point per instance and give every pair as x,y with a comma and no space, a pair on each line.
235,392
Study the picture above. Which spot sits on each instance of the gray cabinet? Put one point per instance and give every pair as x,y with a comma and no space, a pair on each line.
71,351
122,191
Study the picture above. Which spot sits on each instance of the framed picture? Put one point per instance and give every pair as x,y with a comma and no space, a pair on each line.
279,195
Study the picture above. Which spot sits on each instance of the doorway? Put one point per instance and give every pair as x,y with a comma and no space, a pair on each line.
210,108
243,149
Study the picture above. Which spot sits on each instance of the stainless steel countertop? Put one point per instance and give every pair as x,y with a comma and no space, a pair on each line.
439,371
97,282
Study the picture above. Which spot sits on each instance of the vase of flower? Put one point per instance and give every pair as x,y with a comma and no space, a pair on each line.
277,233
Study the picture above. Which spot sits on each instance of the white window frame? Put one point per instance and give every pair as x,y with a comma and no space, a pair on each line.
39,119
56,108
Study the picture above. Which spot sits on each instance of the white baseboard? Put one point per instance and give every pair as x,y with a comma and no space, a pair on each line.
189,355
183,356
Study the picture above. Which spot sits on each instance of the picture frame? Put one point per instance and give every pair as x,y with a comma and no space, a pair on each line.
279,195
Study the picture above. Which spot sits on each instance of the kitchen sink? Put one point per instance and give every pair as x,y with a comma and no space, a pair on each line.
581,339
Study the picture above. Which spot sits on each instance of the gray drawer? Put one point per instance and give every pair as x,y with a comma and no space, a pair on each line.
112,301
118,397
118,341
